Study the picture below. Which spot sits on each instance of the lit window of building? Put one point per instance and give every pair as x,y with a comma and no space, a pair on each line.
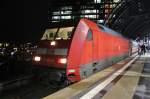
116,1
100,21
56,17
65,17
94,10
66,12
67,8
55,21
97,1
88,11
56,13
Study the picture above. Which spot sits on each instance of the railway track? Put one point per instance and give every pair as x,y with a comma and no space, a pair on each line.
24,88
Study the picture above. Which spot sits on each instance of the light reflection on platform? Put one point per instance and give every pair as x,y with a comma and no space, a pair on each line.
146,55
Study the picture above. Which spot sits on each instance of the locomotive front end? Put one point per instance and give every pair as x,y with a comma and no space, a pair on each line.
52,52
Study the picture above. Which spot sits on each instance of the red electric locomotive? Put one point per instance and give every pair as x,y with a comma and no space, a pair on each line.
75,52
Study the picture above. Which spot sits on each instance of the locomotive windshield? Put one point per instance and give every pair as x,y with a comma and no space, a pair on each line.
62,33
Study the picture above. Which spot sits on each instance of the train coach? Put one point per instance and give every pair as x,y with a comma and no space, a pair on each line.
73,53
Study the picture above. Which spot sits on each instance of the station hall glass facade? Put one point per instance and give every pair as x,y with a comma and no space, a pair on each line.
97,10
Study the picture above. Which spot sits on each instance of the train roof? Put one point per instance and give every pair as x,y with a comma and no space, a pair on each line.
104,28
110,31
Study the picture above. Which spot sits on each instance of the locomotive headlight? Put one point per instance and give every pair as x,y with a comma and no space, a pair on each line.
53,43
37,58
62,60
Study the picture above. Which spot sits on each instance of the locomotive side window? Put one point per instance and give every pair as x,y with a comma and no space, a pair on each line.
89,35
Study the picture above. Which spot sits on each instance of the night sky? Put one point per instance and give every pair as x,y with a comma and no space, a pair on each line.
25,20
22,20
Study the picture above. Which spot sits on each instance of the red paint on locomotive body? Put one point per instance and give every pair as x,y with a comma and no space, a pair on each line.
102,46
75,52
90,43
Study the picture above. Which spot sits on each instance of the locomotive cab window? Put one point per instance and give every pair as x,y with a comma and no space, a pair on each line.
49,34
89,35
64,33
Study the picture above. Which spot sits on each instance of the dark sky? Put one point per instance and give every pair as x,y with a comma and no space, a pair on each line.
25,20
22,20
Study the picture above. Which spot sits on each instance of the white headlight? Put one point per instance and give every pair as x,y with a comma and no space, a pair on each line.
37,58
53,43
62,60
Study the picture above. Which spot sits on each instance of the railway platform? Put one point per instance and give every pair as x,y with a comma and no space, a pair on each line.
128,79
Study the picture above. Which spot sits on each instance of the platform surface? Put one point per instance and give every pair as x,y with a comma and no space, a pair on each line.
135,83
132,83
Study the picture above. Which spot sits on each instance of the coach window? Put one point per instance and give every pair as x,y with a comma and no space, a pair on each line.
89,35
